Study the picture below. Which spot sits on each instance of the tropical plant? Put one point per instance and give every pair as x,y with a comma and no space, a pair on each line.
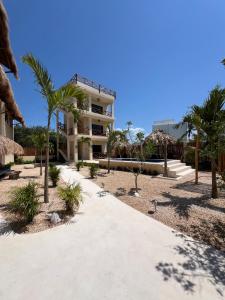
93,170
113,137
39,141
79,165
161,138
213,124
56,98
71,194
54,174
139,149
193,119
24,200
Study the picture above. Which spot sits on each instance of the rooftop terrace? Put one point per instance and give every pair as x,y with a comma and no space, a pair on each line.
77,78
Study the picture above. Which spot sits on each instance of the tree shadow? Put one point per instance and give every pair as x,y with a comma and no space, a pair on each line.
132,191
199,260
182,205
211,233
120,192
190,186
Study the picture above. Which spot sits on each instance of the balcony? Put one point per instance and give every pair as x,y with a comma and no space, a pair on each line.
99,110
98,132
77,78
83,130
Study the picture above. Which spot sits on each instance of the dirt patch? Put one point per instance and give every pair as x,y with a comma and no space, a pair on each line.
41,220
181,204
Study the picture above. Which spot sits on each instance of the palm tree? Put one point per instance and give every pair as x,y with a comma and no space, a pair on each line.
193,119
161,138
84,140
55,98
39,141
213,125
113,136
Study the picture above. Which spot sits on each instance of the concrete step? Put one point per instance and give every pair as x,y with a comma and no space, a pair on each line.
177,165
185,173
180,168
173,162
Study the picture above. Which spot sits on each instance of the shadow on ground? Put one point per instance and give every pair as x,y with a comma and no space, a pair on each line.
198,261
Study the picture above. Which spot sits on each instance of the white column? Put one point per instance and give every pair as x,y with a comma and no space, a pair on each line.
89,103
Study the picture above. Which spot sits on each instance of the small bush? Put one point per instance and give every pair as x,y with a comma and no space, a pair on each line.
24,200
155,173
71,194
54,174
79,165
93,170
21,161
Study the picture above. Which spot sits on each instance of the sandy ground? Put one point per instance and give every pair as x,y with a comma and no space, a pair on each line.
40,221
181,204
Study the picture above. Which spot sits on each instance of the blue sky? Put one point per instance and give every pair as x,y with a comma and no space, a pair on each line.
160,56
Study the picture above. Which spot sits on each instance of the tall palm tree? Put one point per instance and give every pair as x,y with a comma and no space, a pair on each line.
55,98
193,119
213,125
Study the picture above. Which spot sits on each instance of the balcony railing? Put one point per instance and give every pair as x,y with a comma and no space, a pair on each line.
98,132
92,84
97,155
101,112
82,130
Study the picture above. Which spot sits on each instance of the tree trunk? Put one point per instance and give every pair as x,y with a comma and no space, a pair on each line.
165,174
41,163
214,182
108,163
136,183
196,157
46,199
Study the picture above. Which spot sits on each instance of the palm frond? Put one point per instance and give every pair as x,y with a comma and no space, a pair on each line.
42,77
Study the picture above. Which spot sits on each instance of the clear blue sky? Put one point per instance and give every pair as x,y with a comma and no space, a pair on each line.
160,56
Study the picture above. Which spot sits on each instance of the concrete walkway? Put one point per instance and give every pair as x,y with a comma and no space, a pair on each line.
111,252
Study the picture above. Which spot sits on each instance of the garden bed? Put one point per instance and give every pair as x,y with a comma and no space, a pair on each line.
41,220
181,204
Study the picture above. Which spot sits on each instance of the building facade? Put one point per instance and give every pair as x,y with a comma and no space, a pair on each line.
86,139
169,127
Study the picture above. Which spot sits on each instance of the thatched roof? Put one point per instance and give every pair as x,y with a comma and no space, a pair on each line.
6,55
6,96
8,146
160,137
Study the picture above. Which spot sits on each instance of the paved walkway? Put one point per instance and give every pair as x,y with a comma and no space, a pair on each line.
111,252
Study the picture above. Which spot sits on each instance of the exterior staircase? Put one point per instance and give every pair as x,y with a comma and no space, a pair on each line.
178,169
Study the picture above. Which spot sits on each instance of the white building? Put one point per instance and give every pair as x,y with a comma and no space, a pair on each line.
92,123
169,127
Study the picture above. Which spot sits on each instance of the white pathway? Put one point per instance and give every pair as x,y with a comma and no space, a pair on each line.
111,252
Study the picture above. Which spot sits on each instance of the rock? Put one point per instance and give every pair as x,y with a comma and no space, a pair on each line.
136,194
55,219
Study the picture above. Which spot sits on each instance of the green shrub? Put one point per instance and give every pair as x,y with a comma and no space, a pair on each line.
24,200
93,170
79,165
54,174
71,194
21,161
